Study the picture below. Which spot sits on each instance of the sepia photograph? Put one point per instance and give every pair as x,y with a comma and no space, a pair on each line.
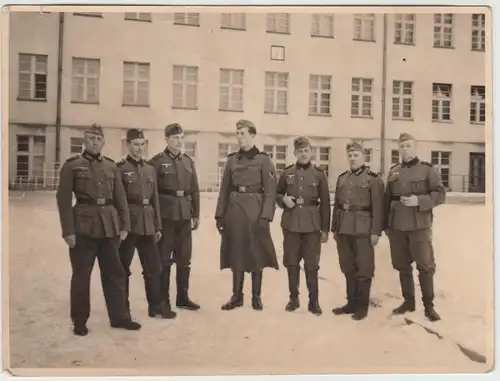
247,190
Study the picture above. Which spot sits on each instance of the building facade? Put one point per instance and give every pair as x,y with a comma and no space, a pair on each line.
332,77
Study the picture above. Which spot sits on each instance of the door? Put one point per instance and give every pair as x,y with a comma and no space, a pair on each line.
477,172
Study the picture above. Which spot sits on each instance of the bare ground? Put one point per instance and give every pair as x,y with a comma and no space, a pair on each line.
244,341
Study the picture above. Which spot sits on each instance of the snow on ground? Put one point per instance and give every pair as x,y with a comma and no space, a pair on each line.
244,341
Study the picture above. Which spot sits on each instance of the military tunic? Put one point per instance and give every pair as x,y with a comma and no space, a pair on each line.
99,215
410,228
246,205
139,181
302,225
358,213
179,202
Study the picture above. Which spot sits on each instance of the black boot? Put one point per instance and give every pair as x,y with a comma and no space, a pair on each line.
80,329
183,301
427,287
165,292
293,287
313,288
127,297
256,290
237,297
127,324
408,291
351,290
363,304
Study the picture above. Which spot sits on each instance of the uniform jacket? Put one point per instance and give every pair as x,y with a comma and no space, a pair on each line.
417,178
141,187
359,203
251,169
308,185
177,186
101,209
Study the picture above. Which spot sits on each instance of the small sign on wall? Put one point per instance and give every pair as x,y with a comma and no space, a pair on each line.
277,53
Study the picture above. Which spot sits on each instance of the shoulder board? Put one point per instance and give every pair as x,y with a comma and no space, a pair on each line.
319,169
289,166
231,154
371,173
343,173
263,153
121,162
427,163
157,156
109,159
73,157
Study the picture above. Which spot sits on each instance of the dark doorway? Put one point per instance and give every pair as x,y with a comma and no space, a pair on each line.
477,172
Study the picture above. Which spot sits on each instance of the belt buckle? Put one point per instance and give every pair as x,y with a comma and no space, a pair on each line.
242,189
179,193
299,201
145,201
101,201
346,206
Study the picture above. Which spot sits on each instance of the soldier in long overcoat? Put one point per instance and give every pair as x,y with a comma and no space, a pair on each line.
93,228
245,209
357,222
141,187
180,212
304,196
414,188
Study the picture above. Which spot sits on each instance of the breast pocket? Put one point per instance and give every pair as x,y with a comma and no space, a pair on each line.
418,185
167,176
83,182
364,192
110,182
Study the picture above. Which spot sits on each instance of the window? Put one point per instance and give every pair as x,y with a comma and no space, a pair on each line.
322,25
441,101
278,23
319,94
224,150
279,156
477,104
321,157
192,19
136,16
443,30
76,145
404,29
190,149
361,97
276,98
394,156
85,86
233,21
185,87
231,90
33,76
478,31
88,14
30,157
364,26
125,148
135,83
368,155
402,94
442,161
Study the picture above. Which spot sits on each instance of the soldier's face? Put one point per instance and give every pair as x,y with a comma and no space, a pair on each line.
93,143
245,138
303,155
136,147
356,159
176,142
408,150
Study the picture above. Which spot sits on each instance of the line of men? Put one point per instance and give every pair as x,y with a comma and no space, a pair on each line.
154,207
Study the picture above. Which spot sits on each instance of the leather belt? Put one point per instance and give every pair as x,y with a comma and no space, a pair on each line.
353,208
301,201
176,193
101,201
248,189
395,198
139,201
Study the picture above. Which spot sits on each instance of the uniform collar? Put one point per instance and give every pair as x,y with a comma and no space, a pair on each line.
90,157
130,159
303,166
251,153
411,163
177,156
358,171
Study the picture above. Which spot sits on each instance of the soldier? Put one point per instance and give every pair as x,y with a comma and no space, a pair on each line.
180,213
139,180
245,208
304,195
414,189
93,228
357,225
